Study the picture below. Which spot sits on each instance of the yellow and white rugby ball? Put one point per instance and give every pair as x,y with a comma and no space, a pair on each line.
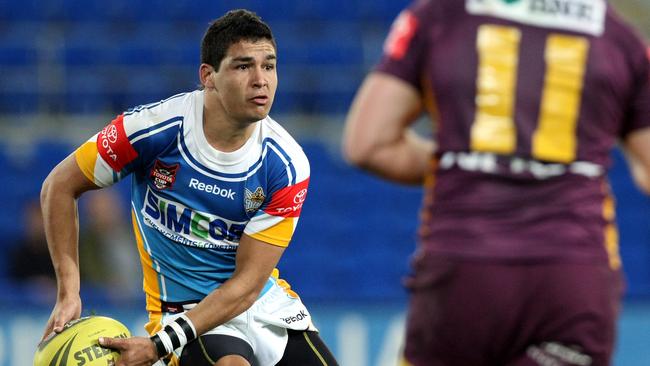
77,343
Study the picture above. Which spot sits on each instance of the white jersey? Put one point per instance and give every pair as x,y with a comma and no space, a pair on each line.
190,202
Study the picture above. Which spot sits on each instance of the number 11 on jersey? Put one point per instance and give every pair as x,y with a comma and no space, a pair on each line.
494,127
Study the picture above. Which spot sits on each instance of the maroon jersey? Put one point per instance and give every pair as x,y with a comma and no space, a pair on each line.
529,98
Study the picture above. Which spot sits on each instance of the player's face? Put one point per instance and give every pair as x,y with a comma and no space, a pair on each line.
246,81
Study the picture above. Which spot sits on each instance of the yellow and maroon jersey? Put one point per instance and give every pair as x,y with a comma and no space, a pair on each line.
191,203
529,96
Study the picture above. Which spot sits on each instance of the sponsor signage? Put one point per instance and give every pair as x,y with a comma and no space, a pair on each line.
190,227
584,16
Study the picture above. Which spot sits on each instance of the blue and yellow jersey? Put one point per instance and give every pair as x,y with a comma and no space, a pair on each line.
191,203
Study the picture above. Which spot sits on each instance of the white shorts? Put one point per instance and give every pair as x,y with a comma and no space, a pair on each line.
264,325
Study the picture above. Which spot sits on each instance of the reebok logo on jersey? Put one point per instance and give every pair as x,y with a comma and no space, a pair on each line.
212,188
189,227
113,145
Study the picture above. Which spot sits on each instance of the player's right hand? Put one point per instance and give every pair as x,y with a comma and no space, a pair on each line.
65,310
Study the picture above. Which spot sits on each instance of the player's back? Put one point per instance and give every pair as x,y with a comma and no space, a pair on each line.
530,97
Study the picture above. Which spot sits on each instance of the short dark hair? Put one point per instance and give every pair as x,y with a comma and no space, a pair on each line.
234,26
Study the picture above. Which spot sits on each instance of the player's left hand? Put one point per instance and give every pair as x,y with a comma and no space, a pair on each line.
135,351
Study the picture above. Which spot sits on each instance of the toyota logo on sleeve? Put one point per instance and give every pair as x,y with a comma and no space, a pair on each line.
300,196
111,134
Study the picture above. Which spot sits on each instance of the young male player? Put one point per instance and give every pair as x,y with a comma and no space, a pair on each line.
217,190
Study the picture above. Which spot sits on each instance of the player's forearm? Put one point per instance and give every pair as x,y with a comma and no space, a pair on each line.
59,207
225,303
637,153
406,160
641,176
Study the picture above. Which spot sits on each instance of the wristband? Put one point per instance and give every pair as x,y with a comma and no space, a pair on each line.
174,335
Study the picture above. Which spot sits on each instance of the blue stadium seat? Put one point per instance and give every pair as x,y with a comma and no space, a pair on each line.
18,188
87,89
89,44
184,49
135,52
327,103
48,153
17,54
29,10
82,11
98,11
18,90
161,43
183,53
381,11
18,43
304,10
319,44
195,11
146,85
23,174
326,89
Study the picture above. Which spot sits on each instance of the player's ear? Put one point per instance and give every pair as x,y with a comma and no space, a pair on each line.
205,74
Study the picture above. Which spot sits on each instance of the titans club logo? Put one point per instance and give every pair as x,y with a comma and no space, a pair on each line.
163,176
253,200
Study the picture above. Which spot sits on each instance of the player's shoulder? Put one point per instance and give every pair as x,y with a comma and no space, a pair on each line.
279,139
623,33
178,105
167,115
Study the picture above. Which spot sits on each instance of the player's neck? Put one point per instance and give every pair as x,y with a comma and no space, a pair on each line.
225,134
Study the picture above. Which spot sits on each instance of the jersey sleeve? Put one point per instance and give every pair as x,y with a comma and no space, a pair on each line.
130,141
406,44
277,218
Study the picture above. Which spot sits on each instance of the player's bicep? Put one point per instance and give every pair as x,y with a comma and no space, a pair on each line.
382,110
68,176
256,259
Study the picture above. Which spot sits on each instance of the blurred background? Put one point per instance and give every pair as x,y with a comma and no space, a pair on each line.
67,67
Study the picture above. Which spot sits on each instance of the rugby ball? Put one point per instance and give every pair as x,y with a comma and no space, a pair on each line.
77,343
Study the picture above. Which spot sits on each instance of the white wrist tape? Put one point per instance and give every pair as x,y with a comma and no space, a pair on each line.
174,335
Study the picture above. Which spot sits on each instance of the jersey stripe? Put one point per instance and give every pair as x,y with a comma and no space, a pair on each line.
150,283
291,170
159,127
236,177
151,105
611,232
277,235
86,157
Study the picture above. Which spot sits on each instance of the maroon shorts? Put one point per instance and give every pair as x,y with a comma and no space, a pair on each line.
475,313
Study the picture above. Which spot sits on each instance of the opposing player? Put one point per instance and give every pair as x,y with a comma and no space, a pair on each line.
517,262
217,190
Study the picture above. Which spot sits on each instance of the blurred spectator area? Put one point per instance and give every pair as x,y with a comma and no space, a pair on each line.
78,56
